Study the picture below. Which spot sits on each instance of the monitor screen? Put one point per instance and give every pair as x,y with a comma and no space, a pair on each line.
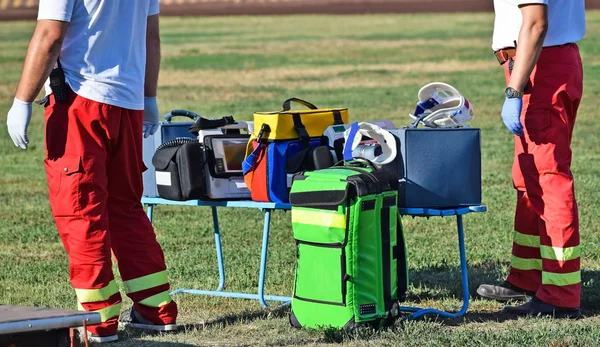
235,152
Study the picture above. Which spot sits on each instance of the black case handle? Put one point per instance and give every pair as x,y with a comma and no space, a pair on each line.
181,113
287,105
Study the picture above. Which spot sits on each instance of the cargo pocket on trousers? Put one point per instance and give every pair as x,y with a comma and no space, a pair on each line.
537,120
536,123
64,176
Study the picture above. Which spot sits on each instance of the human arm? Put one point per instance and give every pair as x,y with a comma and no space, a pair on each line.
151,77
531,40
41,56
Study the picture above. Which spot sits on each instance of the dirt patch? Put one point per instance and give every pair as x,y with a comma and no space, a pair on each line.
273,7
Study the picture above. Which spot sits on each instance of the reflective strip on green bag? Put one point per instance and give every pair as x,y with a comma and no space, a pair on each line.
146,282
326,219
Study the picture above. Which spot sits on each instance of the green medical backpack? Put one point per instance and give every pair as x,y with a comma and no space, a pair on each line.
351,263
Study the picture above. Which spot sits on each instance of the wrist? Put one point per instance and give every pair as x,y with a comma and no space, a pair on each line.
18,101
512,93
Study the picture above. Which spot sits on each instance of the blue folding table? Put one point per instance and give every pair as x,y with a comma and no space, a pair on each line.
268,207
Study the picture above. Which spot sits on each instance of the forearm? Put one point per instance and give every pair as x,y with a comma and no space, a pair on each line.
531,40
152,57
42,54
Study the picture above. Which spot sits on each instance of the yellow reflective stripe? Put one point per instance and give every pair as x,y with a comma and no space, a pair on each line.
158,300
332,220
526,264
526,240
561,279
557,253
105,313
95,295
146,282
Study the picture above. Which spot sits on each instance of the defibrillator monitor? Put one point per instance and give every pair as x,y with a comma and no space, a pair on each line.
233,152
228,153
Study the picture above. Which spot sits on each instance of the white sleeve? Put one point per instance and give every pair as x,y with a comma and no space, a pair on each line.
56,9
154,8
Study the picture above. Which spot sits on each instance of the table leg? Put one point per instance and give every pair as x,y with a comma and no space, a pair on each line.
263,258
150,211
263,267
220,262
464,280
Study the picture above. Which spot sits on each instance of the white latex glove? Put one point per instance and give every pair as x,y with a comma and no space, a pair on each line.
150,116
17,122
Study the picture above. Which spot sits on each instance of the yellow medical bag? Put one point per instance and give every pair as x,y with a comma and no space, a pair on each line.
289,124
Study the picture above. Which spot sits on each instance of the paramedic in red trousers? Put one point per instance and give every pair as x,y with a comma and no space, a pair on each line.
110,53
544,76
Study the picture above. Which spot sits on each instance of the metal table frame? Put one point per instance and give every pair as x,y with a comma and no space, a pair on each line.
268,207
458,212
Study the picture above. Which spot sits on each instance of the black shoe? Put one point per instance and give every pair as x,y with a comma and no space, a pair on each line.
503,292
130,318
536,307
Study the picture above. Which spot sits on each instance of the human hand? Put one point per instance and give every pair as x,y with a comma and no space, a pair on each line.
150,124
17,122
511,115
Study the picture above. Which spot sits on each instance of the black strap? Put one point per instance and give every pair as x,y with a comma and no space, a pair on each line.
386,257
400,255
300,129
337,117
287,105
204,123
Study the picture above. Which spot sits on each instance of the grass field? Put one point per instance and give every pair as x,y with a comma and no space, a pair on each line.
374,65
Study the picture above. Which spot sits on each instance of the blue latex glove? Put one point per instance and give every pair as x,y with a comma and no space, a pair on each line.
150,124
17,122
511,115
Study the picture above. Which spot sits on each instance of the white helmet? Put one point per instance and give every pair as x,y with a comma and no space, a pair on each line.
384,138
442,106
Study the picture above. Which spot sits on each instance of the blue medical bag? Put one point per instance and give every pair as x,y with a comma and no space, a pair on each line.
270,167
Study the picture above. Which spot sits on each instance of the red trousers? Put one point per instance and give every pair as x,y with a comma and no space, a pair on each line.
545,255
94,168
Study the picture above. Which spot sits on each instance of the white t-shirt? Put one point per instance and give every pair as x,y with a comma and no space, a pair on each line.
566,21
104,51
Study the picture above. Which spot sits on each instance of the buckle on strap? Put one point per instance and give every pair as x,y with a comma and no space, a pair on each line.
505,54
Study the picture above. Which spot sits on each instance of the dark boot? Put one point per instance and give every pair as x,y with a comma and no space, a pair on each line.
536,307
503,292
